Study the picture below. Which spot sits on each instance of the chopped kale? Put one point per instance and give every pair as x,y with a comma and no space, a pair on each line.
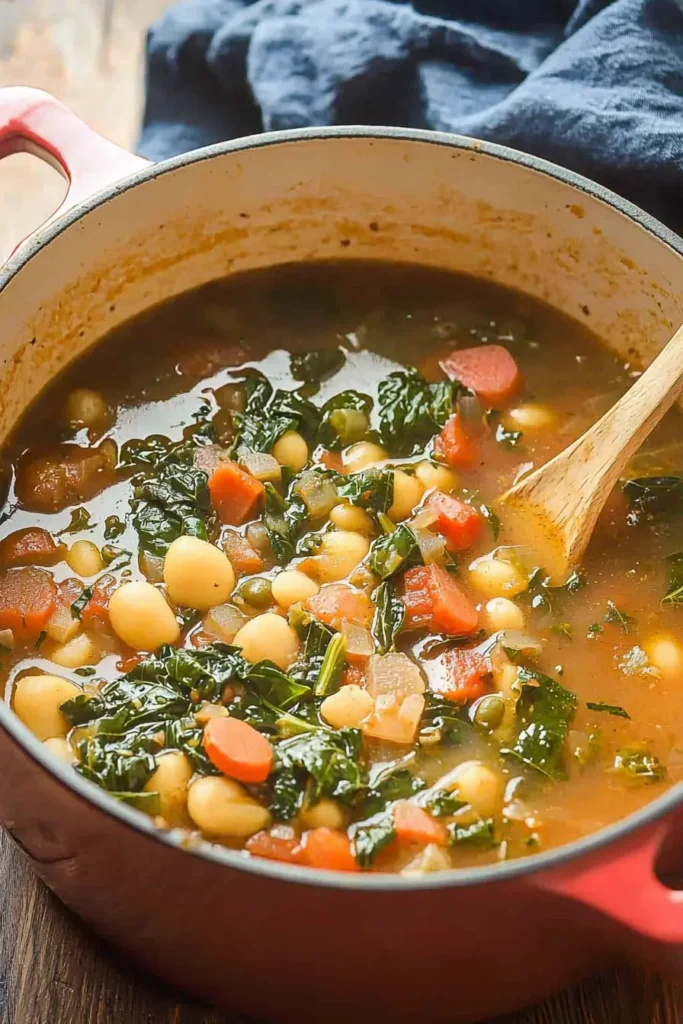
283,518
508,438
412,411
394,552
390,785
608,709
331,760
542,594
316,638
594,630
332,666
492,519
80,602
371,488
546,710
446,719
113,527
345,401
636,764
674,593
480,833
370,836
312,367
442,803
389,617
80,519
172,503
619,618
286,793
268,415
652,496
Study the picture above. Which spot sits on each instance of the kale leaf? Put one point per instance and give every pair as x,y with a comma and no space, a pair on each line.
443,803
172,503
346,400
394,552
608,709
443,717
371,488
389,617
412,411
480,833
312,367
619,618
283,519
674,593
268,415
649,496
390,785
330,759
546,710
371,835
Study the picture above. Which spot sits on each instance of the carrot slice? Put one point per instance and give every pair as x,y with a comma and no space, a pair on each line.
234,493
454,446
489,370
466,674
413,825
31,546
243,557
273,847
238,750
329,849
27,600
337,603
433,599
458,522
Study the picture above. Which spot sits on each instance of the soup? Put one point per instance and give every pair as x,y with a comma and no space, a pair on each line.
253,582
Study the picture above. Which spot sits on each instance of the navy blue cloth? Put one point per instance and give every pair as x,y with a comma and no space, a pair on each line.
596,85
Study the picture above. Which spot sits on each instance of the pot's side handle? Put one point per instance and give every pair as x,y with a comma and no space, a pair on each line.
34,121
625,887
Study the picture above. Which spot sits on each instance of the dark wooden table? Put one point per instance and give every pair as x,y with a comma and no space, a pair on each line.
52,971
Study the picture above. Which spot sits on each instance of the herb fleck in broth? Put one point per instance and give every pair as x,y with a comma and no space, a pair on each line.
247,576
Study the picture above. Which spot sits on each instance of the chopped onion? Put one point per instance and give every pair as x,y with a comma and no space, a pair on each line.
257,535
359,642
471,415
62,626
425,518
393,675
318,494
224,621
263,467
152,567
432,545
6,639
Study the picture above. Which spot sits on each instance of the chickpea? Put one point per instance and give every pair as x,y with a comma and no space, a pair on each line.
37,700
432,477
291,450
75,653
196,574
340,552
140,616
324,814
84,558
666,655
349,517
292,586
480,785
408,491
495,577
504,614
221,807
348,707
60,748
268,636
85,408
171,780
530,417
362,455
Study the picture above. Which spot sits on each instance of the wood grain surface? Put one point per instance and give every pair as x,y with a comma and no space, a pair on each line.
52,971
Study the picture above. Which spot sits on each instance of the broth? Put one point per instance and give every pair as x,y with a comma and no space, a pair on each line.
560,703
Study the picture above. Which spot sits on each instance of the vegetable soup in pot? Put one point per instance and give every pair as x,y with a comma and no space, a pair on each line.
252,580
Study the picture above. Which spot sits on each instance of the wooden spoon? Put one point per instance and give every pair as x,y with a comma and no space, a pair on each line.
553,511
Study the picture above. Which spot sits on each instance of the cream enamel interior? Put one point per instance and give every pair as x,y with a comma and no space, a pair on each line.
445,203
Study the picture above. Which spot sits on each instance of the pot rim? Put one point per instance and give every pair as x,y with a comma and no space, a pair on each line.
91,793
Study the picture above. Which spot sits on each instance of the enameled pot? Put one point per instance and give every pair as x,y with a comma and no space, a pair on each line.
287,943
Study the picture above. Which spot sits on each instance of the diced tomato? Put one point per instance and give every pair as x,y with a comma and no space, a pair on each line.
27,600
274,847
352,675
454,446
414,825
433,599
489,370
458,522
337,603
238,749
235,494
30,546
329,849
69,590
96,611
465,675
330,460
243,557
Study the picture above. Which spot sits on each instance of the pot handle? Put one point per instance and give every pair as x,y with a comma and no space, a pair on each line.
624,886
34,121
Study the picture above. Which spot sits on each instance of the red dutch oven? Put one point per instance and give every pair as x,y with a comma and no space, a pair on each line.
279,942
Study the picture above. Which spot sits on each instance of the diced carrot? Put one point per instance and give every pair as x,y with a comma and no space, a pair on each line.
30,546
454,446
329,849
465,675
458,522
489,370
243,557
238,749
330,460
413,825
352,675
337,603
274,847
433,599
235,493
96,611
27,600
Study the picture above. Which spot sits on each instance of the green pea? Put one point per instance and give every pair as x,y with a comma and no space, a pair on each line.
489,712
258,592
